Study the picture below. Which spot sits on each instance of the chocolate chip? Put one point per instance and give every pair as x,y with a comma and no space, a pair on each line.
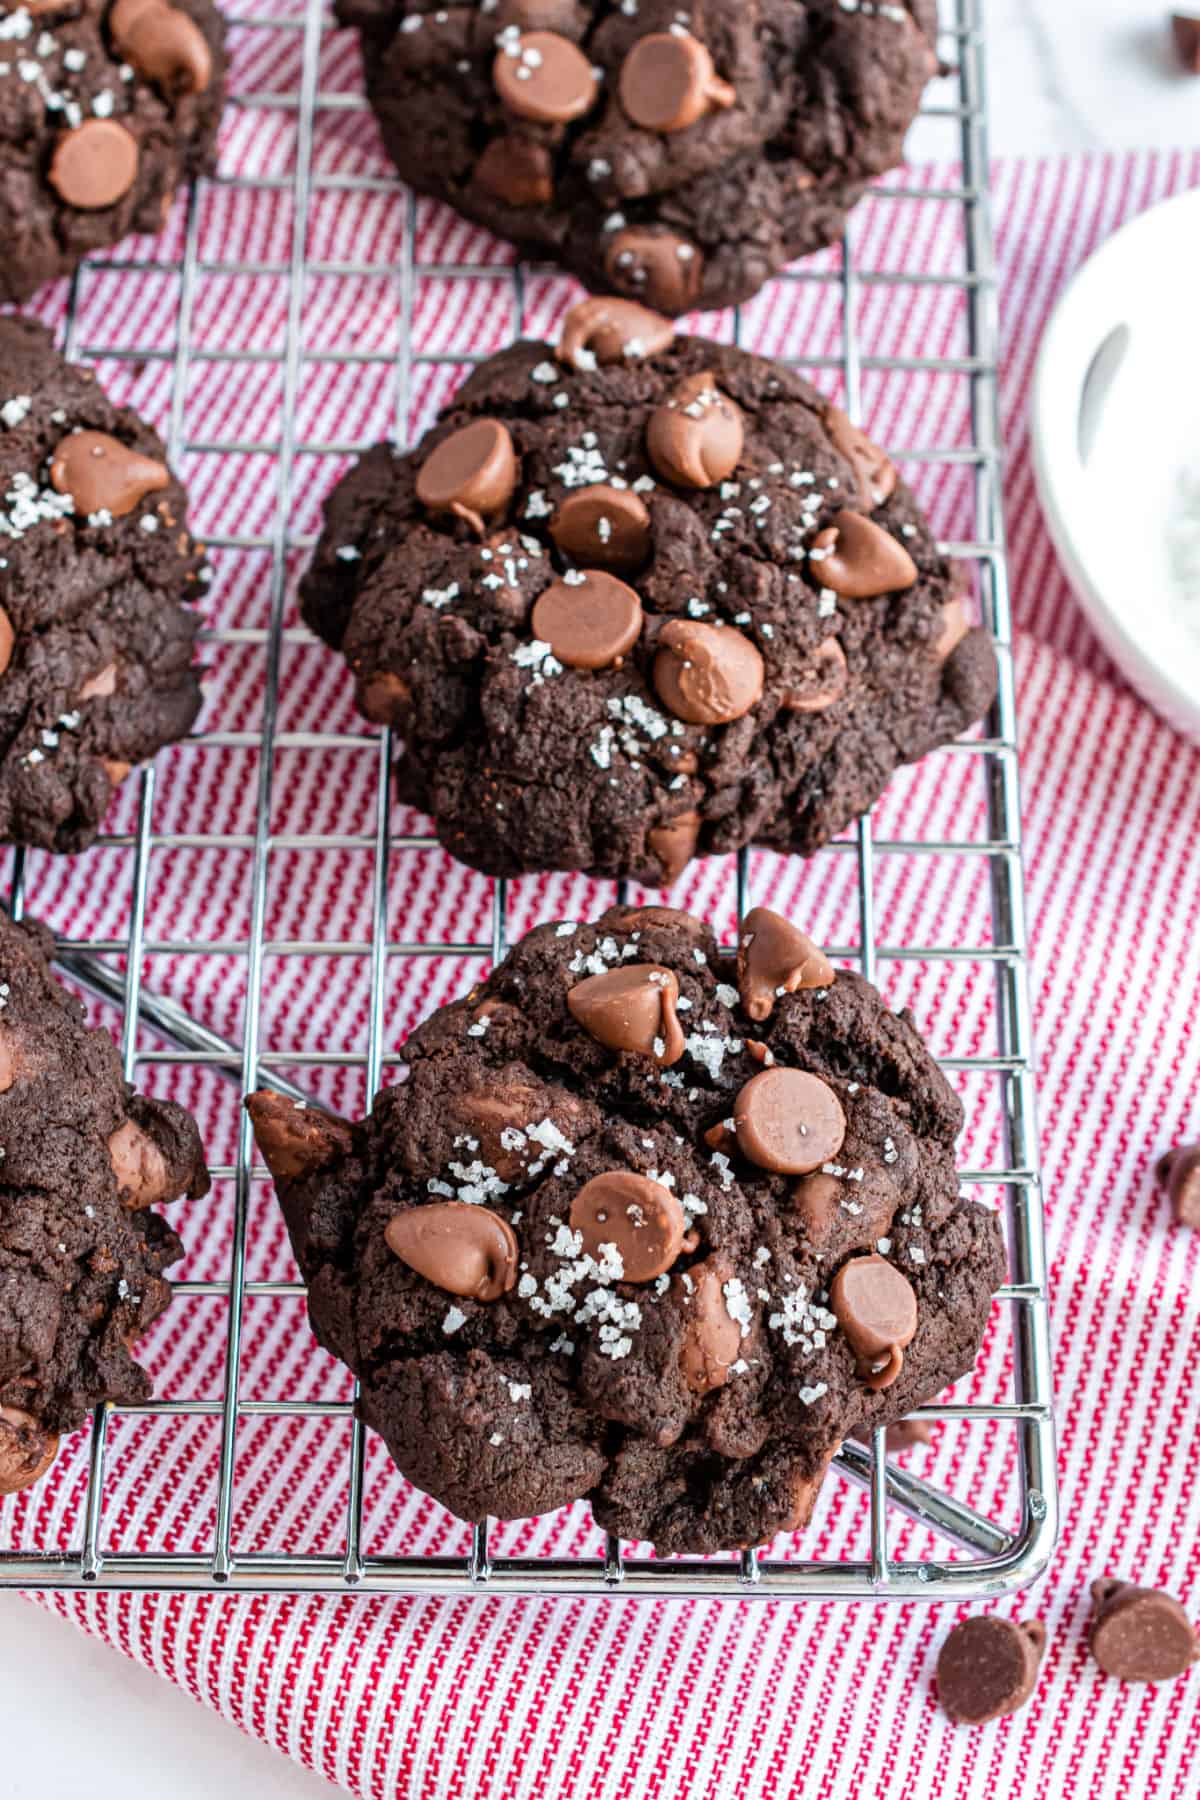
988,1667
822,683
590,622
788,1121
612,331
876,1307
101,685
667,82
640,1218
774,956
874,472
955,626
904,1435
384,698
138,1165
163,43
295,1140
27,1450
542,76
1185,32
471,473
538,15
859,560
1180,1169
631,1010
101,474
706,674
95,165
711,1338
656,265
517,171
498,1118
8,1062
674,844
648,918
7,640
460,1247
696,436
1138,1633
817,1199
604,525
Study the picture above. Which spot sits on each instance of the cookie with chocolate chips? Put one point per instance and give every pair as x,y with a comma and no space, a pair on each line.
96,567
85,1160
643,1226
676,156
637,597
105,109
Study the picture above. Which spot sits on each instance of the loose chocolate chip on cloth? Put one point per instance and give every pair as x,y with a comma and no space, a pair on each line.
551,1286
105,110
96,638
593,604
82,1254
1139,1633
988,1667
1179,1170
681,159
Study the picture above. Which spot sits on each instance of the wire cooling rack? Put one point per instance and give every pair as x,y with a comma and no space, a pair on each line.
985,1555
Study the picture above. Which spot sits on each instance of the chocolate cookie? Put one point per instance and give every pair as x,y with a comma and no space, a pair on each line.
633,1232
81,1253
96,644
104,111
638,597
680,157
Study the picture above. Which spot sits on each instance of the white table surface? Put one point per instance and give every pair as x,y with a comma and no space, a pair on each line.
1053,89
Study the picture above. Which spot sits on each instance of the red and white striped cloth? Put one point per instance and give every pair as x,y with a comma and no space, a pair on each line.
416,1697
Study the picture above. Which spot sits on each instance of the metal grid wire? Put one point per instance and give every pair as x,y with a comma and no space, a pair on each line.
998,1558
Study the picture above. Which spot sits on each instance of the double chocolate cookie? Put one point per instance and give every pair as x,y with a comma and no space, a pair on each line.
96,643
82,1160
104,110
677,155
643,1227
641,596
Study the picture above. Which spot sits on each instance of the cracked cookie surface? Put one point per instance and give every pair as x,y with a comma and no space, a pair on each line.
104,111
82,1253
96,564
677,155
645,1228
724,495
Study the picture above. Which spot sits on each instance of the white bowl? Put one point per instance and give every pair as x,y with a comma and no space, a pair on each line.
1116,428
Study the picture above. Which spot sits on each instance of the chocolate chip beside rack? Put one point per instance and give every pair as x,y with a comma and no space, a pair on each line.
988,1667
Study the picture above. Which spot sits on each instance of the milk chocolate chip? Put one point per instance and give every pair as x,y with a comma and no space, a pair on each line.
604,525
1140,1634
656,265
589,622
874,472
706,674
139,1166
95,165
674,844
859,560
100,685
163,43
775,957
1185,33
988,1667
668,81
788,1121
695,437
26,1450
462,1248
384,698
631,1009
1180,1169
641,1218
955,626
877,1309
542,76
101,474
7,640
517,171
295,1140
711,1337
471,473
816,1198
822,683
604,331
